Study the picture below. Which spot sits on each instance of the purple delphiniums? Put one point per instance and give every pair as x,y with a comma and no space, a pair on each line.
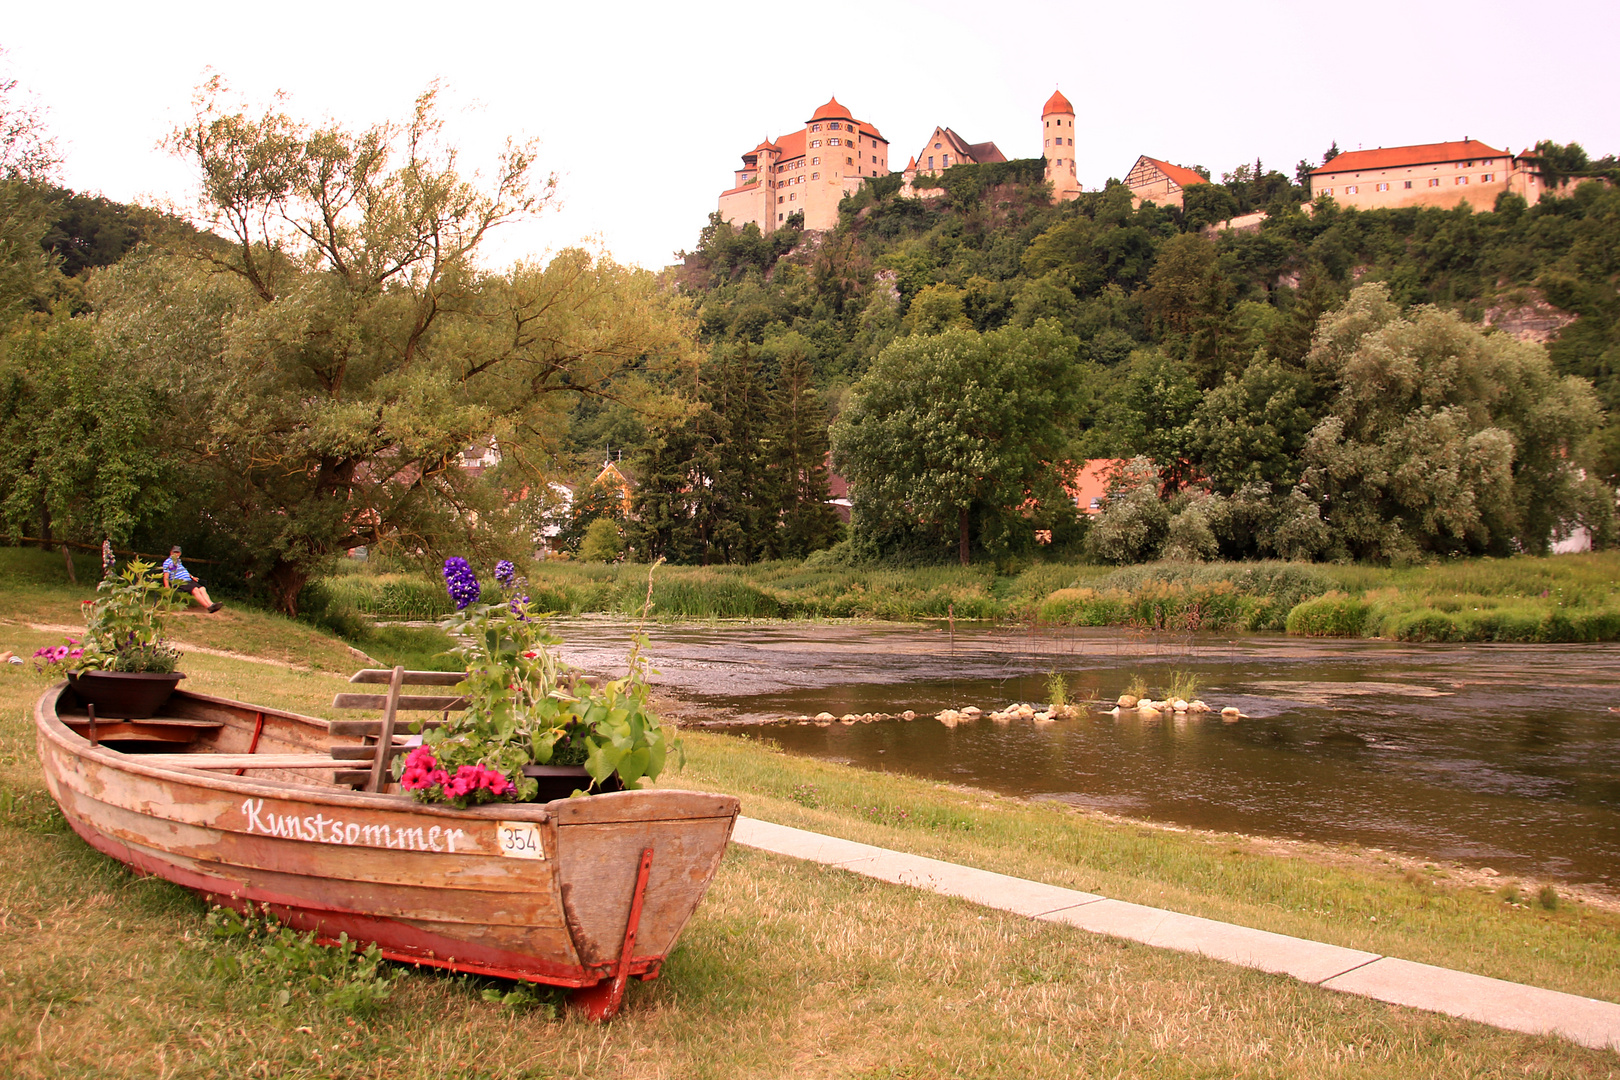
460,581
506,574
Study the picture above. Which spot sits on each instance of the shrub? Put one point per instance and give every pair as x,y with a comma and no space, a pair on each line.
1333,615
603,543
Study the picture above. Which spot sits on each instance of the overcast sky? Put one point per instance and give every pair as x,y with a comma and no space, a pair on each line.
642,109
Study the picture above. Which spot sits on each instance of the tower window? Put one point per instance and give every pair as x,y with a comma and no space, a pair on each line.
1408,183
815,127
834,126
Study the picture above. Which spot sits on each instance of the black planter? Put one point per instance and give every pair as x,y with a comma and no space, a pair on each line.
561,781
124,695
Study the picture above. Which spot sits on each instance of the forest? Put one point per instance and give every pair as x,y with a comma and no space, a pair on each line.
293,368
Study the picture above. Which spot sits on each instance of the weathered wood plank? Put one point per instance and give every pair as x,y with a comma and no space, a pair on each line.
77,722
412,678
137,731
370,728
227,762
418,702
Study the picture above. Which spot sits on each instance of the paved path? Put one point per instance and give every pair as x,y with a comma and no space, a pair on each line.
1502,1004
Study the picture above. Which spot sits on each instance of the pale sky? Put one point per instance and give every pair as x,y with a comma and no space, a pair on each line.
642,110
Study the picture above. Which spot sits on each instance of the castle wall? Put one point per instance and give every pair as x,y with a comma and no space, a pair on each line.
1442,184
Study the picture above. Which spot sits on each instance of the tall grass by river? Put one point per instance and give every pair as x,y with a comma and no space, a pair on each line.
1564,598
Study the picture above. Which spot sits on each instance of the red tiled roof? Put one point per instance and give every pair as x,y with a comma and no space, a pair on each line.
911,164
1057,103
752,185
871,132
792,146
1397,157
831,111
1184,177
986,152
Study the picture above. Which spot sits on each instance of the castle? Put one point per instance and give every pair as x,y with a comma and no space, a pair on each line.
807,172
811,170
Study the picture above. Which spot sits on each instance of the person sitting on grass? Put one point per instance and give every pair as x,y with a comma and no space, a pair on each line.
176,576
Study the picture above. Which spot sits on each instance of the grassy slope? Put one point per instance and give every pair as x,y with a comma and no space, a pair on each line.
787,968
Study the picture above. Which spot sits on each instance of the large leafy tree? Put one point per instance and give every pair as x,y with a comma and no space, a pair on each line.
957,427
324,367
1442,438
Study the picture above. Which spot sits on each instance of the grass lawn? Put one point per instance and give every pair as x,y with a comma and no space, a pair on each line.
788,969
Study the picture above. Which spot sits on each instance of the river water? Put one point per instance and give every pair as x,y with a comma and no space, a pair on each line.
1504,756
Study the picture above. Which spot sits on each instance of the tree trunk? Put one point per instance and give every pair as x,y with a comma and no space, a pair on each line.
962,533
67,557
286,581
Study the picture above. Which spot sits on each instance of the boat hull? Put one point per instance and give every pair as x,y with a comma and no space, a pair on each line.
541,892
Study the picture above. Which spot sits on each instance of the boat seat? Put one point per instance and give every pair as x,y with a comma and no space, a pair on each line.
384,732
154,729
373,776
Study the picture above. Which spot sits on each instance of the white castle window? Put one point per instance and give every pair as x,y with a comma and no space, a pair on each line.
1462,180
832,142
815,127
815,142
1352,190
834,126
1383,187
1487,178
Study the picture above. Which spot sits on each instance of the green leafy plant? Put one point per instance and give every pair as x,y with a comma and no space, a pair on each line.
1057,690
525,706
1183,685
124,624
289,965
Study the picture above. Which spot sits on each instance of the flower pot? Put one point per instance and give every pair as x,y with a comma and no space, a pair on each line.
124,695
561,781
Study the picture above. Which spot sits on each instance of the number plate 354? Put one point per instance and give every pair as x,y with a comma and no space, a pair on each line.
519,839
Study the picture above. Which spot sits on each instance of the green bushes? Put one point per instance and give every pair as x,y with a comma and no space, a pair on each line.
1333,615
1568,598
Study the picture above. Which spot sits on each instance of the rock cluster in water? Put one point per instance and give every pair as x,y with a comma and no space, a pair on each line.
1149,709
1146,708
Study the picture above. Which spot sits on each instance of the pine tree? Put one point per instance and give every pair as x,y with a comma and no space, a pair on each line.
797,449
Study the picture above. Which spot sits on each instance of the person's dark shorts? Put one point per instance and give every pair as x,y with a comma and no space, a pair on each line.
186,586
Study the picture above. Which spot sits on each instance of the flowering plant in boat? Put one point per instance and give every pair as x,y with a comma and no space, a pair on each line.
123,627
526,707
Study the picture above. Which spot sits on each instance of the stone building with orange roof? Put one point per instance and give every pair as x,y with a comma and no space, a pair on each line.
1430,174
945,148
1155,181
808,171
1057,133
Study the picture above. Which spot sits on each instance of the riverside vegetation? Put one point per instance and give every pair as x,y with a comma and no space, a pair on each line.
1523,599
111,974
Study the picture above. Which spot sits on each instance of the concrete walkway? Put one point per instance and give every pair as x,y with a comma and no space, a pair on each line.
1508,1005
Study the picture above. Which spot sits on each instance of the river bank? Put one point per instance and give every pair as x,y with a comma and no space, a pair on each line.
845,977
1567,598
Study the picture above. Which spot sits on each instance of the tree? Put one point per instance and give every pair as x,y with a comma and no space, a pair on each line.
1442,438
604,542
75,460
1253,427
955,426
1135,521
797,455
326,367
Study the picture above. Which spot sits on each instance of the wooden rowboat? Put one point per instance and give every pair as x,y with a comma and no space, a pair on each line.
238,802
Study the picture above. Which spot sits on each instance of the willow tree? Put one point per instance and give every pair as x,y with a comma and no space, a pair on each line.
333,342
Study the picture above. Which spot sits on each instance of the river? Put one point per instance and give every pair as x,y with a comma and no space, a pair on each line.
1504,756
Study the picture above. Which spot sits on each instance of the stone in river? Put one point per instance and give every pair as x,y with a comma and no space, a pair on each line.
1127,701
908,715
1231,712
1178,705
825,716
971,713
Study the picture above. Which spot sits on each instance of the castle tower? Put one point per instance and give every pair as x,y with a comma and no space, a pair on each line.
1057,133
